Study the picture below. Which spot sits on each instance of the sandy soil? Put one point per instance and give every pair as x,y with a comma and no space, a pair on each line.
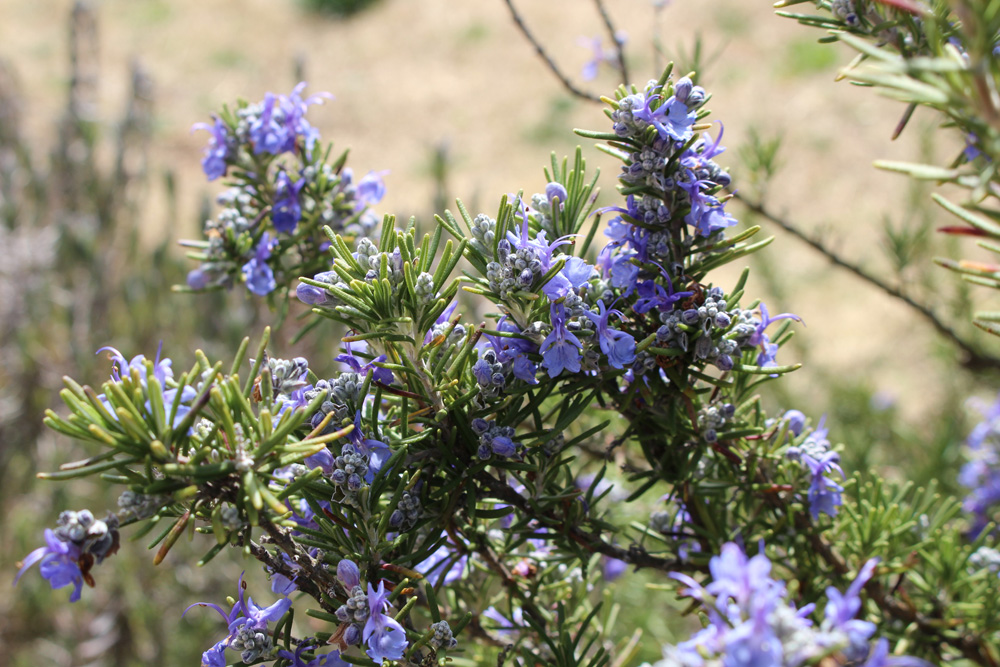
410,74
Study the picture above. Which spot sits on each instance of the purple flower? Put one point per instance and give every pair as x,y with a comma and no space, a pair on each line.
623,272
539,245
617,346
444,565
600,55
331,659
282,121
574,273
708,216
769,350
161,371
612,568
220,149
824,493
269,134
742,580
348,574
971,152
879,657
505,628
317,296
282,585
555,190
258,275
652,295
754,624
59,564
383,375
385,637
672,119
981,473
370,190
560,349
287,210
245,621
377,451
765,321
796,421
842,608
198,278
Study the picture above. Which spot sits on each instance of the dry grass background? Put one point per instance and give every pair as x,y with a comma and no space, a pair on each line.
410,75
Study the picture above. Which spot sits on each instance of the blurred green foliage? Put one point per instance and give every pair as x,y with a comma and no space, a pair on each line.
342,8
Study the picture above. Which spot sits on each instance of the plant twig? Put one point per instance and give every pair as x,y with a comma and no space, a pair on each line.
634,555
974,359
619,44
582,94
278,565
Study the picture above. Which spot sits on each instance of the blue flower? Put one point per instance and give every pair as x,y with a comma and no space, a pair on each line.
505,628
672,119
370,190
617,346
348,574
769,350
247,624
737,580
220,149
59,564
385,637
560,349
824,493
796,421
842,608
574,273
377,451
754,624
267,133
287,210
612,568
282,120
879,657
765,321
162,371
600,55
652,295
382,375
444,566
331,659
258,275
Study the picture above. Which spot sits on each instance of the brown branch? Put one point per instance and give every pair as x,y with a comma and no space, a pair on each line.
582,94
278,565
974,359
619,44
315,574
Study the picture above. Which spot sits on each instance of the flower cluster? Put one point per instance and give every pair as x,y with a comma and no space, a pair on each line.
71,550
384,636
269,228
675,170
981,473
752,621
247,626
813,452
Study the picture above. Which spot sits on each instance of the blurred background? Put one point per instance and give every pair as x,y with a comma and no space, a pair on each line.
100,176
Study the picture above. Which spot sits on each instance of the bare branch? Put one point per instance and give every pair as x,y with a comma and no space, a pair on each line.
974,359
567,84
619,44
